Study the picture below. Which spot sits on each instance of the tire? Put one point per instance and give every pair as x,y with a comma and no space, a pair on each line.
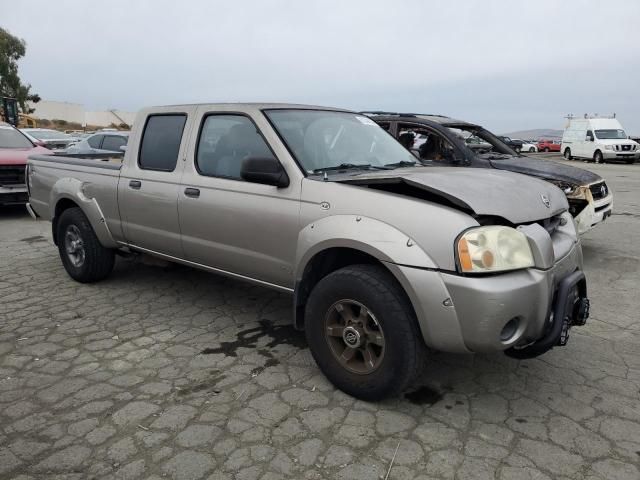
630,161
567,154
546,149
518,149
597,157
532,150
83,256
389,315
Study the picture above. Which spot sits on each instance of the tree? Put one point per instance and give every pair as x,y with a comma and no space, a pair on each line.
13,49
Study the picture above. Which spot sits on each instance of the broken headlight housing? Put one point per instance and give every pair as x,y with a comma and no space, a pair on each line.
493,248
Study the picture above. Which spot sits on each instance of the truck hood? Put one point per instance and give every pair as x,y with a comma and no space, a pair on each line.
547,170
514,197
18,156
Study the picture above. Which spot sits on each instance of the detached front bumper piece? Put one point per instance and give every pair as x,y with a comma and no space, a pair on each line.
570,307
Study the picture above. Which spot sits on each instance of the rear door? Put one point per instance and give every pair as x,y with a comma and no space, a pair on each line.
248,229
150,181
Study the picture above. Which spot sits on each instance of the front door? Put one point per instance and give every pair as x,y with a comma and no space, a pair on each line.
248,229
148,188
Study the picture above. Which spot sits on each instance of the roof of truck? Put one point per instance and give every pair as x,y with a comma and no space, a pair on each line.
259,105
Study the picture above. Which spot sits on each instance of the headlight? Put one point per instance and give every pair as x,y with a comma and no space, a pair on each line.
493,249
567,188
608,147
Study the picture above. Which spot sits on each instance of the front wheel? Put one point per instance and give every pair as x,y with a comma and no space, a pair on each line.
83,256
363,333
567,154
597,156
532,150
546,149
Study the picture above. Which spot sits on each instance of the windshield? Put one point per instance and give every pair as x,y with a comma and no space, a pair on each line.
610,134
321,139
11,138
482,141
47,134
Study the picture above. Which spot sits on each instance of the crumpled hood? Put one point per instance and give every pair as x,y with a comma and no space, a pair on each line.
547,170
514,197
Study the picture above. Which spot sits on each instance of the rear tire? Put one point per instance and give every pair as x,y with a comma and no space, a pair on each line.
532,150
83,256
363,333
597,157
546,149
567,154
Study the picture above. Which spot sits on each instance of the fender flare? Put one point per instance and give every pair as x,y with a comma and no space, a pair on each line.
73,189
378,239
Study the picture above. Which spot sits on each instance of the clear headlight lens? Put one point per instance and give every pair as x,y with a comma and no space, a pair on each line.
608,147
493,249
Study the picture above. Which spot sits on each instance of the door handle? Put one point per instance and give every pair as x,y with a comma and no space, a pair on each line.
192,192
135,184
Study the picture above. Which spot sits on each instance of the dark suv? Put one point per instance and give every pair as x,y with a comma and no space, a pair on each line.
437,140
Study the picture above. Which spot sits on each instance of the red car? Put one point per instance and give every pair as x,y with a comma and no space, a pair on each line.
548,146
15,148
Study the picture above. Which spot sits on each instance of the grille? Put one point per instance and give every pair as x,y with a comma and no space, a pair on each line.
11,174
626,147
599,190
550,224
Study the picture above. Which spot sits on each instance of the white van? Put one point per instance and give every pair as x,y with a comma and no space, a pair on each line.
598,139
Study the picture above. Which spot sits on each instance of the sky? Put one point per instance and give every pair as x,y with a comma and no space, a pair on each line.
506,64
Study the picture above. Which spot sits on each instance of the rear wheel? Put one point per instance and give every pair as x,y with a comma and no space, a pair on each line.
363,333
567,154
546,149
532,149
597,156
83,256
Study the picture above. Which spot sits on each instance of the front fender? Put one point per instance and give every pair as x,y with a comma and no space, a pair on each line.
376,238
73,189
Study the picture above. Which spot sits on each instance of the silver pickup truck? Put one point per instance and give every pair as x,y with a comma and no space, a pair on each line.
383,257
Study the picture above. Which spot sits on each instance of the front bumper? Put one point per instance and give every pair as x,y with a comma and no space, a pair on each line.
622,155
471,313
594,213
13,194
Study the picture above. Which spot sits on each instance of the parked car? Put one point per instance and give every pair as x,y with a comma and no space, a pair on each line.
51,139
14,150
101,142
528,146
598,139
325,205
516,145
590,200
548,146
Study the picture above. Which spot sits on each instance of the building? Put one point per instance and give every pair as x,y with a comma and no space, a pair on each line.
75,112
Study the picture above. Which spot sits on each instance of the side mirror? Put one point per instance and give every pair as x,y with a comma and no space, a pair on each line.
266,170
589,138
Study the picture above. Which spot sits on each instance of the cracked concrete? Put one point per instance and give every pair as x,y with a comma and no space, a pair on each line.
162,371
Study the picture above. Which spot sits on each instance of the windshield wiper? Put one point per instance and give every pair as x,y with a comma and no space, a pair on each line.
349,166
401,164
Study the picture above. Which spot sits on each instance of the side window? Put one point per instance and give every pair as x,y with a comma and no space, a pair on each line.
161,142
113,142
225,142
95,141
427,145
385,125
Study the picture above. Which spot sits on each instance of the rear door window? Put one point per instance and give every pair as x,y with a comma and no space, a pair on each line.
113,142
161,140
95,141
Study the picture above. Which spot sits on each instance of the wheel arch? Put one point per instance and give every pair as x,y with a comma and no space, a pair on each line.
68,193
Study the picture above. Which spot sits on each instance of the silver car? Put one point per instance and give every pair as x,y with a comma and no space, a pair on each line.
101,142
